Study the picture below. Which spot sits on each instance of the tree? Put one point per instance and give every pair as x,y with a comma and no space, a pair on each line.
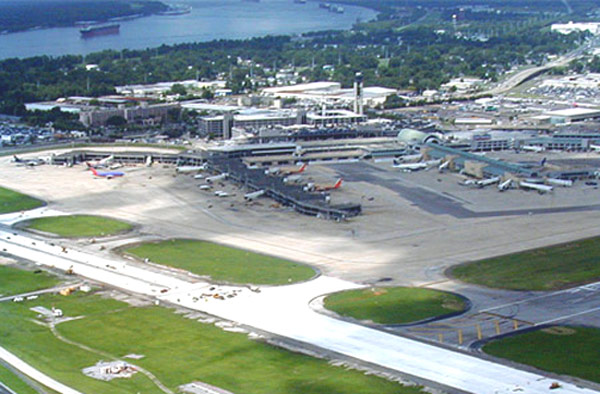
178,89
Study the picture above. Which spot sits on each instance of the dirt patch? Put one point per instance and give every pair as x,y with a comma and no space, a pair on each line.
558,330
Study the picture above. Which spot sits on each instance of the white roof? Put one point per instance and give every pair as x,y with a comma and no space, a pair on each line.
569,112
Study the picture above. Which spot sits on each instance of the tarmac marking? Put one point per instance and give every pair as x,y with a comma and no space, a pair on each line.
569,316
586,287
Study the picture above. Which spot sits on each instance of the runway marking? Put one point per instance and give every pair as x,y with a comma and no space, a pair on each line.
569,316
586,287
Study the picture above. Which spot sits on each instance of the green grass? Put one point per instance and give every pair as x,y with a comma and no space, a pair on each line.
14,382
17,281
79,226
551,268
562,350
394,305
12,201
223,263
177,351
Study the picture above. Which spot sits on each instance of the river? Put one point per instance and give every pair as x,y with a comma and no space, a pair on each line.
208,20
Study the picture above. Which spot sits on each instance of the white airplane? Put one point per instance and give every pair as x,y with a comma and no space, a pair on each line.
28,162
536,186
103,163
532,148
443,166
253,195
408,167
559,182
149,161
292,178
215,178
505,185
487,182
286,170
408,158
221,193
188,169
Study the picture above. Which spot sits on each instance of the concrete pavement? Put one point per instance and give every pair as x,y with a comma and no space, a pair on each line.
285,311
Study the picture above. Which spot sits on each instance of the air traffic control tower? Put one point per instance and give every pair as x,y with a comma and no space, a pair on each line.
358,93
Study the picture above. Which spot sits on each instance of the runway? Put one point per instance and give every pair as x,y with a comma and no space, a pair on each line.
285,311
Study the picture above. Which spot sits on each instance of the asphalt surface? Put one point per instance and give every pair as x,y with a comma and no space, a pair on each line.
285,311
437,203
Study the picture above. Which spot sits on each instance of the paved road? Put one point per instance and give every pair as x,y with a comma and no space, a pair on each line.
34,373
285,311
5,390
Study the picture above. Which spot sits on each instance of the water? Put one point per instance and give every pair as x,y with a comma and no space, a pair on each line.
209,20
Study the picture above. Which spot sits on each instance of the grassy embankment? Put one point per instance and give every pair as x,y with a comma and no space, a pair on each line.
79,226
175,349
552,268
562,350
223,263
12,201
394,305
16,281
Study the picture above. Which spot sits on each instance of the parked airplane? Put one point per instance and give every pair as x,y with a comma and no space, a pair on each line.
253,195
559,182
102,162
505,185
188,169
28,162
443,166
105,174
595,147
532,148
408,158
536,186
292,178
323,188
408,167
487,182
286,170
149,161
215,178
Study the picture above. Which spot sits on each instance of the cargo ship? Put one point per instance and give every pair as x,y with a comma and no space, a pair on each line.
99,30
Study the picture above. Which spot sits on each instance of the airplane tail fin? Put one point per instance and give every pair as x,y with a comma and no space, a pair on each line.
16,159
301,170
92,169
338,184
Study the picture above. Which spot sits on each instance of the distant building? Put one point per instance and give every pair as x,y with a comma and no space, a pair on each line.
146,114
571,115
221,125
330,93
568,28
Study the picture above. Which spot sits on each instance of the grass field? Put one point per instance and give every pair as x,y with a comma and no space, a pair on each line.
223,263
79,226
14,382
17,281
11,201
176,350
394,305
563,350
551,268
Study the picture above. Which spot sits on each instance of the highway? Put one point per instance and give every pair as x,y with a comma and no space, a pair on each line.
285,311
